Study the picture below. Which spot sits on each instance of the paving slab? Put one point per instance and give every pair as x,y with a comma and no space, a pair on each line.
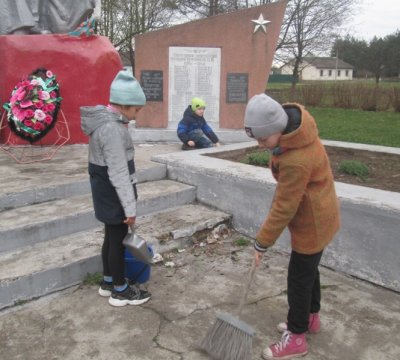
359,320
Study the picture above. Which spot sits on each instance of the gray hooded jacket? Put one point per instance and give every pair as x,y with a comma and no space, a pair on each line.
111,164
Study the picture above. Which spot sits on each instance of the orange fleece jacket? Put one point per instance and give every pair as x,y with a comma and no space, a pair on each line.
305,199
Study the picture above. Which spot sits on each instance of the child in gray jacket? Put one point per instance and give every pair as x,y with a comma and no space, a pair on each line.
113,181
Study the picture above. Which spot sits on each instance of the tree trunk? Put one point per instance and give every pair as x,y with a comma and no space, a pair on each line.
295,75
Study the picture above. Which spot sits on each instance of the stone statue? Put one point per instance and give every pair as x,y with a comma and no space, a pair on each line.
43,16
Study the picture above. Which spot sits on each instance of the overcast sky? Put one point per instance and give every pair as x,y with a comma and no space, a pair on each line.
376,17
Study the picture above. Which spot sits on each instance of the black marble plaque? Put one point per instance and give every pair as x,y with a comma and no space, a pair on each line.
152,84
237,86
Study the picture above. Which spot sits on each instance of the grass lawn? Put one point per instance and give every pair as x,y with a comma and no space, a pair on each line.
365,127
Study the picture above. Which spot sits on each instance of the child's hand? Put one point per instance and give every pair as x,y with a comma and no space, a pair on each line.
257,257
191,143
130,220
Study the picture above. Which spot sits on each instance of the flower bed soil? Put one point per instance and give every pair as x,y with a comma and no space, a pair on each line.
384,169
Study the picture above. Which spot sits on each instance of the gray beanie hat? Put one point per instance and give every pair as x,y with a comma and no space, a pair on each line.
264,117
126,90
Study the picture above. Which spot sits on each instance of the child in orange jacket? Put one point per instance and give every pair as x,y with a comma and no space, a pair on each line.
305,201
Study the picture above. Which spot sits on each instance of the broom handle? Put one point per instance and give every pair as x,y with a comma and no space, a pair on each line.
246,288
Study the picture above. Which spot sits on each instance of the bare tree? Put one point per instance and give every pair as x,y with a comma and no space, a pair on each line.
121,20
310,28
207,8
309,25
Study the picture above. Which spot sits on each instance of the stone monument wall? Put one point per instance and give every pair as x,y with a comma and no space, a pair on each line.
237,49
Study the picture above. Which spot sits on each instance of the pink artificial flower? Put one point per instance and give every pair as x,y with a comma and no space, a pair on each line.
40,115
13,98
23,83
44,95
21,95
15,110
38,126
38,104
48,119
20,115
26,103
15,94
28,123
49,74
29,113
19,89
34,82
50,107
53,94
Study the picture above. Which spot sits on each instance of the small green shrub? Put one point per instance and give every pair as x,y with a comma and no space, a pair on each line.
312,94
356,168
395,98
257,159
20,302
93,279
242,242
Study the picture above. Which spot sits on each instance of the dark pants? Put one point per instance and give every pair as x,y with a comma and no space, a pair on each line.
113,252
304,290
199,139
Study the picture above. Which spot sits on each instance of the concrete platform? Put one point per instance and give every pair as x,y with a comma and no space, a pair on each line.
359,321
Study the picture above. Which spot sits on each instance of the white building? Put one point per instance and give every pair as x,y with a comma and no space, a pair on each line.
321,68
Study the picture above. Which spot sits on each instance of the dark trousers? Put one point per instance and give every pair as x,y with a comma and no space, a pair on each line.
304,290
113,252
199,139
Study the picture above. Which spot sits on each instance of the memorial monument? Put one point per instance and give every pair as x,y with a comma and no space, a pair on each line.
223,59
84,66
43,16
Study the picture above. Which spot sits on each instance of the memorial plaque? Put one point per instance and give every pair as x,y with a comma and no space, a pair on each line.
152,84
237,88
194,72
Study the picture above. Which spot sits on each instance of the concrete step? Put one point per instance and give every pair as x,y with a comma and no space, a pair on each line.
48,266
40,222
34,186
174,227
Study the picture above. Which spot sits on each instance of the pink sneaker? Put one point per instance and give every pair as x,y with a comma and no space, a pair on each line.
314,324
290,346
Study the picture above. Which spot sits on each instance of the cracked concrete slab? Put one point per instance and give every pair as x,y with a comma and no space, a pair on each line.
359,320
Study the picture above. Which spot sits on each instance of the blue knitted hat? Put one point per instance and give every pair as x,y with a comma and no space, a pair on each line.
126,90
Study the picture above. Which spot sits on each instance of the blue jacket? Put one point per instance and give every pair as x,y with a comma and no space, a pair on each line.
191,122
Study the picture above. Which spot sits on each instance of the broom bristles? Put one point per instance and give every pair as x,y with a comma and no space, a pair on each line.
228,339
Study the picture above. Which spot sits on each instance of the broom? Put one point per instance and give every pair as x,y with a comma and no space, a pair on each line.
231,338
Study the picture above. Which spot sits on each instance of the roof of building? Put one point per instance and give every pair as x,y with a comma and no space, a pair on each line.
325,62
